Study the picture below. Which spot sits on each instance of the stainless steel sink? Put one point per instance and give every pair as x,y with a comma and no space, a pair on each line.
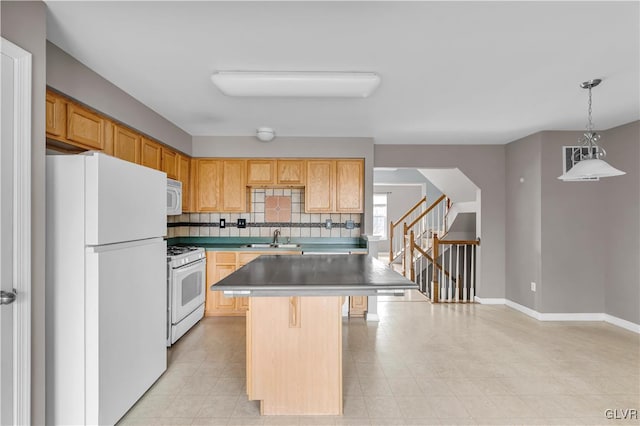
267,245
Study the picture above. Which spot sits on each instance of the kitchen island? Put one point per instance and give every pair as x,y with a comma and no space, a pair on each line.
294,325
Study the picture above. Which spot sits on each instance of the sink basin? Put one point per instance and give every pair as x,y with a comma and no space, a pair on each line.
267,245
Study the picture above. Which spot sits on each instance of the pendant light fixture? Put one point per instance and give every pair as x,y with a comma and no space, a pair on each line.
590,164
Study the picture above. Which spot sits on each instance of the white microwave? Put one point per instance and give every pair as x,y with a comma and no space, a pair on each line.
174,197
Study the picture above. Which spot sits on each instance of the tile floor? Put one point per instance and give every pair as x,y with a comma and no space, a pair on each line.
422,364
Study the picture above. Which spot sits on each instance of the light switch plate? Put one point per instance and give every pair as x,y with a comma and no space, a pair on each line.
328,224
223,223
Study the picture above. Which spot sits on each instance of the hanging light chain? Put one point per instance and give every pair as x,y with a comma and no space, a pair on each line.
590,123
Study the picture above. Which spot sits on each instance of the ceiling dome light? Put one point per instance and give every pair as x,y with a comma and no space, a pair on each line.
265,134
590,165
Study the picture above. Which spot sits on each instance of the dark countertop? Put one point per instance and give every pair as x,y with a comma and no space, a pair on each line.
313,245
313,275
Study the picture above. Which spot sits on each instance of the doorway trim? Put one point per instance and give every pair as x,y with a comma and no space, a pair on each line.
22,230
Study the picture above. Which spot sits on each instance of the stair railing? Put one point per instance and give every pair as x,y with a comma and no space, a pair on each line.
431,222
448,273
397,239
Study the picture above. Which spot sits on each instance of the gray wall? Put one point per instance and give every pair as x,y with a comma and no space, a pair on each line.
24,24
295,147
523,225
485,166
404,176
573,229
579,241
399,200
622,223
69,76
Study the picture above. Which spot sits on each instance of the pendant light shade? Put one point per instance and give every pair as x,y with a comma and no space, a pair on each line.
589,169
589,163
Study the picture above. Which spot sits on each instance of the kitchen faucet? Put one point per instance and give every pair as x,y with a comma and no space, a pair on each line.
275,236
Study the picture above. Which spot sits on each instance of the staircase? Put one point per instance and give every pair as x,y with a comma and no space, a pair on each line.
443,268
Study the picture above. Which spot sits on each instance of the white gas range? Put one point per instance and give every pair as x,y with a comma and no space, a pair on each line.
186,271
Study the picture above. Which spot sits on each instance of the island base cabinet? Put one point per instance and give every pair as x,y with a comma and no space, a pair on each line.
294,355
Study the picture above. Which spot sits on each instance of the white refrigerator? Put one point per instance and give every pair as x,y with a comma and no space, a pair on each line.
106,286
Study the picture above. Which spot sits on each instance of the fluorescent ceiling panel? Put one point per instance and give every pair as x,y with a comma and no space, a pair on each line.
296,84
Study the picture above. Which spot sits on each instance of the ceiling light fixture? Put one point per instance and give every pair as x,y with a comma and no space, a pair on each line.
589,161
296,83
265,134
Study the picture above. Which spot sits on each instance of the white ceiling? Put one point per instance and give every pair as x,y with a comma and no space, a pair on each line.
452,72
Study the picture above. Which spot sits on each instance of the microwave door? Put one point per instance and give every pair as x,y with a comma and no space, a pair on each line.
174,201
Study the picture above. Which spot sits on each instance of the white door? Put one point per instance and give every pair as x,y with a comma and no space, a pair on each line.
15,235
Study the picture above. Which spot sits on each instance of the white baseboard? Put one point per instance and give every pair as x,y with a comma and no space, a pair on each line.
628,325
372,317
582,316
489,300
521,308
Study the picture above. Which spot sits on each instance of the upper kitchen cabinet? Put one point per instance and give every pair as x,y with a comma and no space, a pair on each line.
184,176
56,114
84,128
319,194
291,172
234,191
350,186
335,186
261,172
126,144
170,163
150,154
206,189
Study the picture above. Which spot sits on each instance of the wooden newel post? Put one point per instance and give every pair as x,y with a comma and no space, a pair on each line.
435,291
411,248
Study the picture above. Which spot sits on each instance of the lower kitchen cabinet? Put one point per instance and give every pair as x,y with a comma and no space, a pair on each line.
357,306
221,264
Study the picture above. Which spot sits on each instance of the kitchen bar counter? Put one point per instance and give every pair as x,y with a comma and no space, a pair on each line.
314,275
294,326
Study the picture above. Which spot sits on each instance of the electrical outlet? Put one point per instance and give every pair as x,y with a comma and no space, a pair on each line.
533,286
242,223
349,224
223,223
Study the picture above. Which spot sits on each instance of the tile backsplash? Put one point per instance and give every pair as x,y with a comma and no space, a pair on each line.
277,205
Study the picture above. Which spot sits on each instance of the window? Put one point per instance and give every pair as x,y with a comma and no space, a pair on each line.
380,221
571,156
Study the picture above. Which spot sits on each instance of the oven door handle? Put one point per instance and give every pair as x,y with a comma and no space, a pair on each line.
189,266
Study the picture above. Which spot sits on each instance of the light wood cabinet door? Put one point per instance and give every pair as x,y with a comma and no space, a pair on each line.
291,172
184,176
319,191
357,306
126,144
170,163
234,187
207,185
85,127
150,154
56,113
224,304
349,186
261,172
